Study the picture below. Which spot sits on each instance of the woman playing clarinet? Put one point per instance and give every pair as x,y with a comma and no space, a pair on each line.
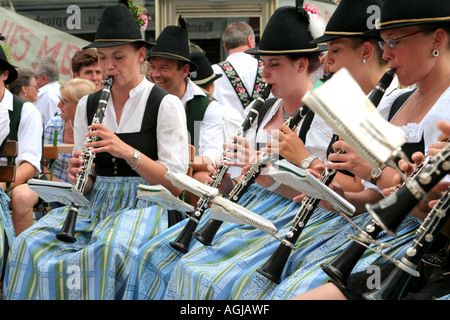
142,135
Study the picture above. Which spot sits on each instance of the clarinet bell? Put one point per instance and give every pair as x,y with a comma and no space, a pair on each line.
389,212
68,229
181,243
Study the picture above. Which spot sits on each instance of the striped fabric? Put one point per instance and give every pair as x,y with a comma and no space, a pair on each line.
62,163
303,272
109,234
157,258
6,228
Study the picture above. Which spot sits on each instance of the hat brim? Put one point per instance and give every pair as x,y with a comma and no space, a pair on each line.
406,23
193,66
112,43
257,52
337,35
205,82
12,72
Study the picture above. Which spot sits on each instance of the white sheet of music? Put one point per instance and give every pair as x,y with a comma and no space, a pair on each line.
344,106
225,210
163,197
62,192
304,182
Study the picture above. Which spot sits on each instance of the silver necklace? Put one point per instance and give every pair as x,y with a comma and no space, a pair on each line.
286,115
417,102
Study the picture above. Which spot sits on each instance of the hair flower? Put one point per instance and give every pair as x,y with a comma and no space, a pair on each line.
139,14
311,8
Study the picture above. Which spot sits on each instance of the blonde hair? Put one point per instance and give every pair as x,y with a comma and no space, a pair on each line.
77,88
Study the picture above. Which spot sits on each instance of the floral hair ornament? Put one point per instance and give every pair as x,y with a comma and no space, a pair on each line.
316,23
139,14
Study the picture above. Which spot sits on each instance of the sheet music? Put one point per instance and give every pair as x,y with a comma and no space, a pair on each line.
225,210
163,197
344,106
304,182
190,184
54,191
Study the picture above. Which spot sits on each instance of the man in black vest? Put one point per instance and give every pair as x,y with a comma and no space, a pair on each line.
25,126
169,68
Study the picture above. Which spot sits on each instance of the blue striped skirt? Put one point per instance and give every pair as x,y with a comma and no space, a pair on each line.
157,259
109,233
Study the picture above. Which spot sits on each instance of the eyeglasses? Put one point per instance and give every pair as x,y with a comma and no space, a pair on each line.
393,42
64,102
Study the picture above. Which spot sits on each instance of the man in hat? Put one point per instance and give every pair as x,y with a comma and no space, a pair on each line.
242,72
205,78
47,74
25,126
170,66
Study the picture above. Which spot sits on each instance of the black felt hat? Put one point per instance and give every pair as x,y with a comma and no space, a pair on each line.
287,33
117,27
173,43
204,75
350,19
5,65
405,13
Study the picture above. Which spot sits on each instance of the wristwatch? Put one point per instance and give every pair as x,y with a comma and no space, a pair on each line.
306,163
375,174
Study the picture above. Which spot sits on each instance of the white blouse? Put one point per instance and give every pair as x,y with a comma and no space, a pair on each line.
172,138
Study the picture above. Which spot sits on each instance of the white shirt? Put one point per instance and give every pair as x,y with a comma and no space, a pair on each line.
246,67
427,128
317,139
211,130
172,141
48,99
29,134
4,121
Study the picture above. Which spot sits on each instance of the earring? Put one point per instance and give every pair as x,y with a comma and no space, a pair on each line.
435,52
25,94
364,61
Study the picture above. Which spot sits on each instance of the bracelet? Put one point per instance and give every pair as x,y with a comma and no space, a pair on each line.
274,186
135,156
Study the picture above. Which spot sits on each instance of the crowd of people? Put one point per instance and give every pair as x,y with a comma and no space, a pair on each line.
165,98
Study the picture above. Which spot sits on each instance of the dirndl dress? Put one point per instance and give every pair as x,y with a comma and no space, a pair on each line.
157,259
109,233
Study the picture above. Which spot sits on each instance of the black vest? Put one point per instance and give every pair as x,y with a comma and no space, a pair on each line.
145,140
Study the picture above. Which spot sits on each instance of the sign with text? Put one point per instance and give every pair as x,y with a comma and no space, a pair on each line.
28,40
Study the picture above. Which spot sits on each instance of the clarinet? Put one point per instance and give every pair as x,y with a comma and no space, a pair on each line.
394,285
340,267
274,266
389,212
207,233
181,243
209,230
375,97
68,229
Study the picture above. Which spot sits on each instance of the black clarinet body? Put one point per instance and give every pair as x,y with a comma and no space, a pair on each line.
339,269
274,266
388,213
68,229
394,285
206,234
181,243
